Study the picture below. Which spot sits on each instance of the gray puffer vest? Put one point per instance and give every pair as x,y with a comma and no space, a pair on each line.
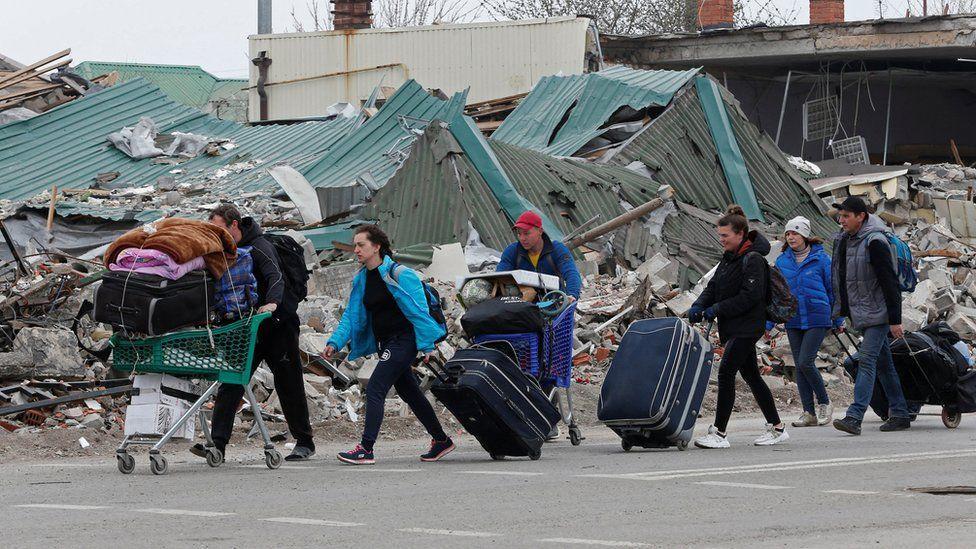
866,300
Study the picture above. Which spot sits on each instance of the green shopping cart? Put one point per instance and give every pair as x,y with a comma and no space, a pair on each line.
222,355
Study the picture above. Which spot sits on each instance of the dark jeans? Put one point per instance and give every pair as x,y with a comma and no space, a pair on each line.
804,344
874,362
740,356
277,345
393,370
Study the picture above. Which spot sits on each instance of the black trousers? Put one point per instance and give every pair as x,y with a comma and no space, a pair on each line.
740,356
277,345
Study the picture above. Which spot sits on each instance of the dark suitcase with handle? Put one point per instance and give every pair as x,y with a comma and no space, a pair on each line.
653,391
152,305
504,408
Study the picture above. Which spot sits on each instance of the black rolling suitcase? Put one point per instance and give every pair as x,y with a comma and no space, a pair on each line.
153,305
654,389
504,408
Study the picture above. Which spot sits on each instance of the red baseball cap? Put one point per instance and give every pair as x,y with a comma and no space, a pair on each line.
528,220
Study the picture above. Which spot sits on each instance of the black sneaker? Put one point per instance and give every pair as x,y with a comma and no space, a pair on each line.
896,424
848,425
300,453
200,450
438,450
357,456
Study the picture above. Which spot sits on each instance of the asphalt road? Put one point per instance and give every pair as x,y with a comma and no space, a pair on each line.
822,488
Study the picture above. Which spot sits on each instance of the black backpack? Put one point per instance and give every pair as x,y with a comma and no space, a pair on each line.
291,260
781,304
435,307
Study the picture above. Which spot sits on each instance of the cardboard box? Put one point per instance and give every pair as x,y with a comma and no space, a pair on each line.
156,419
164,389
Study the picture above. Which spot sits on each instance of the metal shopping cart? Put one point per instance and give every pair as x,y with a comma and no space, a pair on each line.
221,355
549,357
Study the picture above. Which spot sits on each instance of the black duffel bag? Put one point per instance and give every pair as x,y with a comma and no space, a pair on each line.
502,315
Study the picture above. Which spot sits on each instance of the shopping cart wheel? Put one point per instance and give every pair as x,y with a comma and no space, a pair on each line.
497,457
626,445
127,463
157,464
272,458
535,455
575,435
682,445
951,419
214,457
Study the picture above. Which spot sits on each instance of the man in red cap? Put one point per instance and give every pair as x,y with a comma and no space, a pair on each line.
536,252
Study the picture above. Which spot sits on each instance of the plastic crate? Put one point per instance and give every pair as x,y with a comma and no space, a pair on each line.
558,347
190,353
527,348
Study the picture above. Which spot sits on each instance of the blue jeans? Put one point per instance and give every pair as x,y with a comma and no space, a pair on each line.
804,344
874,360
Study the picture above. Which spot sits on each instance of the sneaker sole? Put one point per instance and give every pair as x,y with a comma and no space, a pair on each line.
703,447
845,429
357,461
771,442
299,458
440,455
198,451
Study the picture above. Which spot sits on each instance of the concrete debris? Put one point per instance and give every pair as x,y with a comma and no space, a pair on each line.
43,352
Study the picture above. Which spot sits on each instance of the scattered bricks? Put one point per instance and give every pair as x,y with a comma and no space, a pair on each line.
963,325
602,354
93,421
939,276
680,304
943,301
961,276
35,418
581,359
8,425
74,413
894,212
913,320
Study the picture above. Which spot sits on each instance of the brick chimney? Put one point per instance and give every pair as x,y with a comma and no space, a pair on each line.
826,11
716,14
352,14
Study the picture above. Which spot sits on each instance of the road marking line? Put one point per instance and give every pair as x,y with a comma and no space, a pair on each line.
60,506
436,532
313,522
786,466
280,467
374,470
743,485
512,473
185,512
601,542
850,492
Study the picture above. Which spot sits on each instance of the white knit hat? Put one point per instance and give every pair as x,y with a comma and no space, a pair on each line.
799,225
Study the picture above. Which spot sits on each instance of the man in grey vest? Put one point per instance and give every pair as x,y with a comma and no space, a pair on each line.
868,293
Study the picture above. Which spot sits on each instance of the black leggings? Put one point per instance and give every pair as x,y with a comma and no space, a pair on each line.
740,356
394,370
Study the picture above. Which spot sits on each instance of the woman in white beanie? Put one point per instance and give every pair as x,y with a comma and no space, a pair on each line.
806,267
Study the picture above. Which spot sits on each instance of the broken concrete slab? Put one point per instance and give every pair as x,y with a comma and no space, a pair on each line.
43,353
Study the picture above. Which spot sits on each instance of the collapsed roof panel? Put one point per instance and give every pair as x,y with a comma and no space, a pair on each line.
375,150
186,84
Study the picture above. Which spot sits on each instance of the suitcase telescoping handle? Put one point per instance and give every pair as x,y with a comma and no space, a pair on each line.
842,344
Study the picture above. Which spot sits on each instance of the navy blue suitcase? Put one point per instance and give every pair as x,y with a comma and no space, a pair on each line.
504,408
654,388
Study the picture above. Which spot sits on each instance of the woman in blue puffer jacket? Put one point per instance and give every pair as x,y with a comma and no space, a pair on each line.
806,267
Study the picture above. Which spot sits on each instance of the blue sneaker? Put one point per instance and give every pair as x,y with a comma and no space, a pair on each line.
358,456
438,450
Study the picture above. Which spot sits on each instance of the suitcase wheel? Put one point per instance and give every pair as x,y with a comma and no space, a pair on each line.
682,445
575,435
951,419
535,455
626,445
497,457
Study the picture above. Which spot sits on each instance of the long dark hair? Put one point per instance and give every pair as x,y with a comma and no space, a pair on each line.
376,235
810,242
736,218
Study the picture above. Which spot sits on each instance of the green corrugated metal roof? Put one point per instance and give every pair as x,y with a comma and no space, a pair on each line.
67,146
187,84
374,147
590,100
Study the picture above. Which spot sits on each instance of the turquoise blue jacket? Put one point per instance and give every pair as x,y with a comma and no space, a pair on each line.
355,328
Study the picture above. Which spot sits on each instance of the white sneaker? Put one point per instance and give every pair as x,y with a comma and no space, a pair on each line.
712,440
772,436
825,413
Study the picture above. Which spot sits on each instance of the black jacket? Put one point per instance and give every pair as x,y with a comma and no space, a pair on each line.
737,291
271,281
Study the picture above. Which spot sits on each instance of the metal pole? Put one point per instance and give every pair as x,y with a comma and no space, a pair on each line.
884,160
617,222
782,109
264,16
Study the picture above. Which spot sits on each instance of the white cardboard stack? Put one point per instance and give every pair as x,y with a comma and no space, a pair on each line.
153,412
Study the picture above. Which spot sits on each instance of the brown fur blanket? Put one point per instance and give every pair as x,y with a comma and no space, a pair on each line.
183,240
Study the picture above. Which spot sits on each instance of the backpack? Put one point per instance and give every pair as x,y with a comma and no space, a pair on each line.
781,304
237,291
435,306
901,258
291,260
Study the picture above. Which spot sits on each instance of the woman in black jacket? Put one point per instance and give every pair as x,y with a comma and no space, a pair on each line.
736,296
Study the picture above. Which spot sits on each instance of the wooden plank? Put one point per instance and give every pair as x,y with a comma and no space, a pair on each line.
955,152
30,68
23,77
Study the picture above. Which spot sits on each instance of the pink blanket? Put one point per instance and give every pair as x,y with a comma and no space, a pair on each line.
154,262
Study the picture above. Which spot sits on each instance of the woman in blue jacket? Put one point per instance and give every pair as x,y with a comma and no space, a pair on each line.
806,267
387,314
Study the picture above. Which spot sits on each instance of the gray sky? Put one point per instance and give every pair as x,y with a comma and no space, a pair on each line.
209,33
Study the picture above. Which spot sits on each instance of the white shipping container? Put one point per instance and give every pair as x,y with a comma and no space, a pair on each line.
310,71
